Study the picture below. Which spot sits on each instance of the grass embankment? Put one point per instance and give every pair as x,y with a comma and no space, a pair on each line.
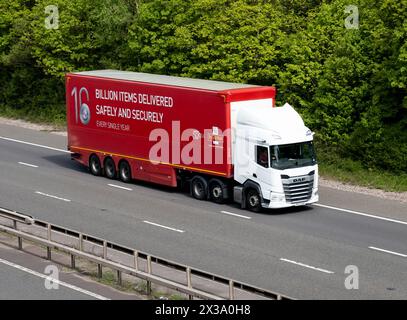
52,116
353,172
133,286
331,166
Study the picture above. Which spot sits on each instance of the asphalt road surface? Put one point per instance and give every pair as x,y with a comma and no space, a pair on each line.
300,252
20,283
26,276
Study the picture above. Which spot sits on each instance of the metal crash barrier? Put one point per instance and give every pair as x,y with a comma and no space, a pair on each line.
124,260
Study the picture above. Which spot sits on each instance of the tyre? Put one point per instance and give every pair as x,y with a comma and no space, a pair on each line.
110,168
124,172
216,191
94,165
253,200
199,188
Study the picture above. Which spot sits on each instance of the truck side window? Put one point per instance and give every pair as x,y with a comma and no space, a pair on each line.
262,156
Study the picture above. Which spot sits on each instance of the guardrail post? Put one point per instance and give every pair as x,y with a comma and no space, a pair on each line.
72,261
231,290
119,277
279,297
49,232
149,270
49,239
19,239
80,242
189,282
149,266
136,260
100,271
104,249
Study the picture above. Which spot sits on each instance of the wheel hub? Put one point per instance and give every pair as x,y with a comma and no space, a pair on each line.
254,200
198,188
125,172
217,191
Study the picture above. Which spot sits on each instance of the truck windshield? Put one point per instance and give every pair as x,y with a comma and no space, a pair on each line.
292,155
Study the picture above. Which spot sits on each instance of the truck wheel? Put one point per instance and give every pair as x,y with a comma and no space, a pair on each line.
125,171
110,169
216,193
253,201
199,188
94,165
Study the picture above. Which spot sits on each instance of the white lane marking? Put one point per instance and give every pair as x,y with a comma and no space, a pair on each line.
119,187
62,283
236,215
34,144
388,251
307,266
51,196
28,165
361,213
165,227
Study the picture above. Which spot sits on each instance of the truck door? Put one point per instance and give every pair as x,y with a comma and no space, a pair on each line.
262,167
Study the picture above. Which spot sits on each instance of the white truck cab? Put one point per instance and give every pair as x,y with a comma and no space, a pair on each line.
273,155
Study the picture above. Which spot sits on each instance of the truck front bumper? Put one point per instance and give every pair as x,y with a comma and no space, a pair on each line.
280,202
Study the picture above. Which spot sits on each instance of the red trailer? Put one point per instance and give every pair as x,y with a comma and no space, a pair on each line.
142,126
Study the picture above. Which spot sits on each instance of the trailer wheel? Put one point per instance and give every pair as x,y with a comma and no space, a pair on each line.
253,200
216,190
124,171
110,168
199,188
94,165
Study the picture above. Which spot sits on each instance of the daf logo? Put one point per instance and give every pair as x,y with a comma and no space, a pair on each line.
298,180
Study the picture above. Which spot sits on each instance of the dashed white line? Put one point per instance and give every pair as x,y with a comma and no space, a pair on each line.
64,284
165,227
28,165
236,215
307,266
388,251
361,213
34,144
119,187
52,196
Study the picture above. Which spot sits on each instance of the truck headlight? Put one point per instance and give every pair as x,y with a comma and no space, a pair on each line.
277,197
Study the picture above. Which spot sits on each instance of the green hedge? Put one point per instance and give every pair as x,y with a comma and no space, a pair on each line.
349,84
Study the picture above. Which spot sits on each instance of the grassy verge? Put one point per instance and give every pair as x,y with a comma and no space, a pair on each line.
52,116
109,278
353,172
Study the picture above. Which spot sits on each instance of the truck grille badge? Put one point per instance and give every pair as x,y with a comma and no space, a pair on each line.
298,189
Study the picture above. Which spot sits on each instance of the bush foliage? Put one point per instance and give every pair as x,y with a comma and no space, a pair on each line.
349,84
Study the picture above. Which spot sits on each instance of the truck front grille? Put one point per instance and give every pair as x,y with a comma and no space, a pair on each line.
298,189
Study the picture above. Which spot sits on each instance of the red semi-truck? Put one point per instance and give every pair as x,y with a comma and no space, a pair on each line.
226,140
